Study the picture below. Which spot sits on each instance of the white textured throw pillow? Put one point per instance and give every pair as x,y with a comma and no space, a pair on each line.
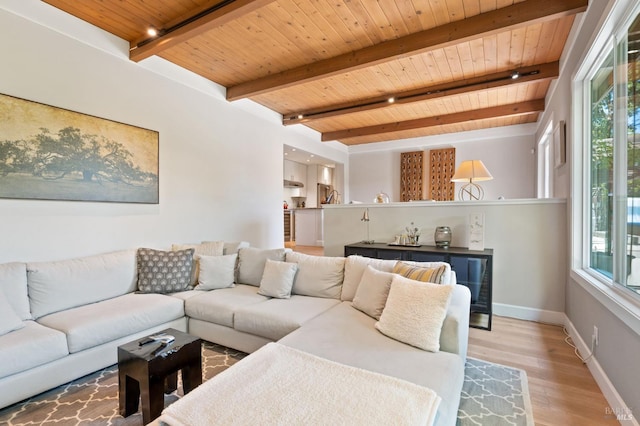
414,312
277,279
9,320
216,272
372,292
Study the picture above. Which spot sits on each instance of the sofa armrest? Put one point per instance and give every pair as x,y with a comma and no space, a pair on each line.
454,336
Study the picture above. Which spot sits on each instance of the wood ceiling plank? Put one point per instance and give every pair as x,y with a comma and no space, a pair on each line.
423,11
504,50
490,49
513,17
207,22
471,7
407,12
356,31
517,46
502,110
531,43
332,38
99,15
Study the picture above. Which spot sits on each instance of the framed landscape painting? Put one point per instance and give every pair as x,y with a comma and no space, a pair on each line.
50,153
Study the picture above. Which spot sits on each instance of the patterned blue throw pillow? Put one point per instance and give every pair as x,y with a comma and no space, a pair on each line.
164,271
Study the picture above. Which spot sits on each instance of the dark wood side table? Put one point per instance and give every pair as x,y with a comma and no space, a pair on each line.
146,372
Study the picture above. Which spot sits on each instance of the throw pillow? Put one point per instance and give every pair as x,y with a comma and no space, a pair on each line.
432,274
164,271
277,279
216,272
9,320
206,248
372,292
317,276
414,312
251,262
354,267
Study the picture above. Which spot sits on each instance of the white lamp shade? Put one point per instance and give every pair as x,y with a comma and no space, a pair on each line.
471,171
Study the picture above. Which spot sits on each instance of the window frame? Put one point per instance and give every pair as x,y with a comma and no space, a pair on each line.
621,301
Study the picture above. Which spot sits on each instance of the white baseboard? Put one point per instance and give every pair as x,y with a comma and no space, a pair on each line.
619,409
529,314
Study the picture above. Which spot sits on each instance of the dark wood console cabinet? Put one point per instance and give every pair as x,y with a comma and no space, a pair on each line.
474,269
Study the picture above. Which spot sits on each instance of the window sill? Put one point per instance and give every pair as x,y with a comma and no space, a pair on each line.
621,304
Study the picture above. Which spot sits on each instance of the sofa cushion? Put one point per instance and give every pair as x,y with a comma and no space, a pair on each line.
251,263
346,335
9,321
210,248
29,347
372,292
216,271
414,312
276,318
218,306
354,267
13,283
97,323
164,272
59,285
317,276
277,279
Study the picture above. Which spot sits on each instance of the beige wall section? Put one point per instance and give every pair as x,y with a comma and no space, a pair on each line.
528,238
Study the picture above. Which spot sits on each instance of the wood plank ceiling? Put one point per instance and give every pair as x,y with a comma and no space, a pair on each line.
334,65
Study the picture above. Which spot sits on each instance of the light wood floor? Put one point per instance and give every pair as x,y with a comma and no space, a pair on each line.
563,392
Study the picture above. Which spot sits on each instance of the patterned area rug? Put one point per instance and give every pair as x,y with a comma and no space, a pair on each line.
492,395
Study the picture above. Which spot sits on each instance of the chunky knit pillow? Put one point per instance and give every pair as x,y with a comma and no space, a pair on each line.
414,312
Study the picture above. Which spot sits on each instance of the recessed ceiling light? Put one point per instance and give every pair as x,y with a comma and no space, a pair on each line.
293,149
152,32
391,100
312,156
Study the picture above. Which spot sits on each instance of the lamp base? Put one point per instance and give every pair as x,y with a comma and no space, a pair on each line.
470,192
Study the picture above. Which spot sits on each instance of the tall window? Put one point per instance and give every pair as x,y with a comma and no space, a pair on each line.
614,172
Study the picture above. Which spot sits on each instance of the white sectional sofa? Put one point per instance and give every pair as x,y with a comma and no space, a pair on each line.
74,314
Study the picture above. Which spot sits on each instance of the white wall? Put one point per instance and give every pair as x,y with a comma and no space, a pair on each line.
220,163
507,153
530,252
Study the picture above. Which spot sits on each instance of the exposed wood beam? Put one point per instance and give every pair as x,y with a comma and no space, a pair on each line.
491,81
527,107
517,15
218,13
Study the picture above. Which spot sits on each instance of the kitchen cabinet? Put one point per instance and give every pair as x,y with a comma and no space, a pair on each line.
309,227
295,171
473,269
